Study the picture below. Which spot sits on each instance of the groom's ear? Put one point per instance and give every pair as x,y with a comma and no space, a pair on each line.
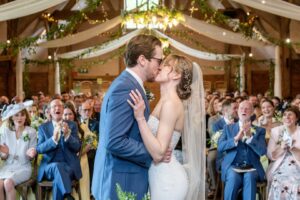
142,60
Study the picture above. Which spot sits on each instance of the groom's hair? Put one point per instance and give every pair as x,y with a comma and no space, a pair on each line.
140,45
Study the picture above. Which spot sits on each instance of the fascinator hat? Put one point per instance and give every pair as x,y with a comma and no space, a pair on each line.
14,109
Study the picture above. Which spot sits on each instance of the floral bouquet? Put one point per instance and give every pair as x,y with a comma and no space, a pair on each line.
215,138
36,122
91,139
25,136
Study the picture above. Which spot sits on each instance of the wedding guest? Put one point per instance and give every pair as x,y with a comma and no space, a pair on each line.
267,120
242,145
91,127
17,147
70,114
59,143
283,174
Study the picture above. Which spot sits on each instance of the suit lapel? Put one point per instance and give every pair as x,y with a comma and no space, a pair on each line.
236,129
138,86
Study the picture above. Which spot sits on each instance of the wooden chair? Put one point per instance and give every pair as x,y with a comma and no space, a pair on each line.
48,185
22,188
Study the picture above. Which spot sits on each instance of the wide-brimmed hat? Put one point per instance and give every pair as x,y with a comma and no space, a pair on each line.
14,109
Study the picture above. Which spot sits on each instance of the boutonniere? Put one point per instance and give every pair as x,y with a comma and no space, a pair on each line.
25,136
150,96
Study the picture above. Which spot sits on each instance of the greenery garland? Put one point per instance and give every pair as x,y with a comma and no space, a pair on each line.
246,28
56,30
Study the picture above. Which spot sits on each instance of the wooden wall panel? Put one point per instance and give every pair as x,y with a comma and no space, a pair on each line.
259,82
295,78
38,81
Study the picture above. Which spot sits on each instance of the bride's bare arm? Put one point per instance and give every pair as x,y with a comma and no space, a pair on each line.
156,145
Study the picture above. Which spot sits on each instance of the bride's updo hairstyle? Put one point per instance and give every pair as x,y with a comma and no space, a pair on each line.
183,66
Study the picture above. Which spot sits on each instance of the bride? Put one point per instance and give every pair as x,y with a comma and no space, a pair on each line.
179,113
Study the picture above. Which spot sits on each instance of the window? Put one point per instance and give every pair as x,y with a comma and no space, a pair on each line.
142,5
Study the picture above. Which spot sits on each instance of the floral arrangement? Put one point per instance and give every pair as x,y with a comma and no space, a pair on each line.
25,136
156,16
128,195
36,122
91,139
215,138
284,137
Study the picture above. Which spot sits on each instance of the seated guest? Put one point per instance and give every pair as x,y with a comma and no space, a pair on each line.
89,126
70,114
283,173
242,145
267,120
59,143
229,114
17,147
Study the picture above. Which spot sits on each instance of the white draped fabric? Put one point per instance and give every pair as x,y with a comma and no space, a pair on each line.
196,53
277,7
218,33
56,77
21,8
103,49
82,36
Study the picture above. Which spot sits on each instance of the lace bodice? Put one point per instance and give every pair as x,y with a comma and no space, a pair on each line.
153,125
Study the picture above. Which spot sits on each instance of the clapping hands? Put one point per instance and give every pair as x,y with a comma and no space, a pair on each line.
4,149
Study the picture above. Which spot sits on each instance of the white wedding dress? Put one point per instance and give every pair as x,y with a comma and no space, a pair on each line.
167,180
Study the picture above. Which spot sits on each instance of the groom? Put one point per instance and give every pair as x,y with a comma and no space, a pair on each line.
121,156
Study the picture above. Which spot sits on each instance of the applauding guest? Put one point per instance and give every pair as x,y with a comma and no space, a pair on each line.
283,173
59,144
17,147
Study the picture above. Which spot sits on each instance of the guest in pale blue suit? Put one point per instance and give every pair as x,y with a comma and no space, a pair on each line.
243,144
59,143
121,156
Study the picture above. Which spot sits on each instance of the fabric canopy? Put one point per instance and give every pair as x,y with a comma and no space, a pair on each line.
277,7
21,8
82,36
218,33
117,43
102,49
196,53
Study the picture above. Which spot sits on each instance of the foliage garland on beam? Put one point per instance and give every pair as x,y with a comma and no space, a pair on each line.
56,31
213,16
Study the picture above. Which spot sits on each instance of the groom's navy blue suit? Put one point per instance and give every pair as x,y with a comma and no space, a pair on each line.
121,156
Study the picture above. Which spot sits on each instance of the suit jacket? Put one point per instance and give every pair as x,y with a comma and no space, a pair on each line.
121,150
218,125
276,154
227,146
94,126
48,148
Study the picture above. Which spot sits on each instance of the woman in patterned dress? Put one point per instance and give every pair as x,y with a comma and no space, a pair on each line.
283,173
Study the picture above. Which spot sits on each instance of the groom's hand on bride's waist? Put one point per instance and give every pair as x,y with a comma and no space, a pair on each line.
167,156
